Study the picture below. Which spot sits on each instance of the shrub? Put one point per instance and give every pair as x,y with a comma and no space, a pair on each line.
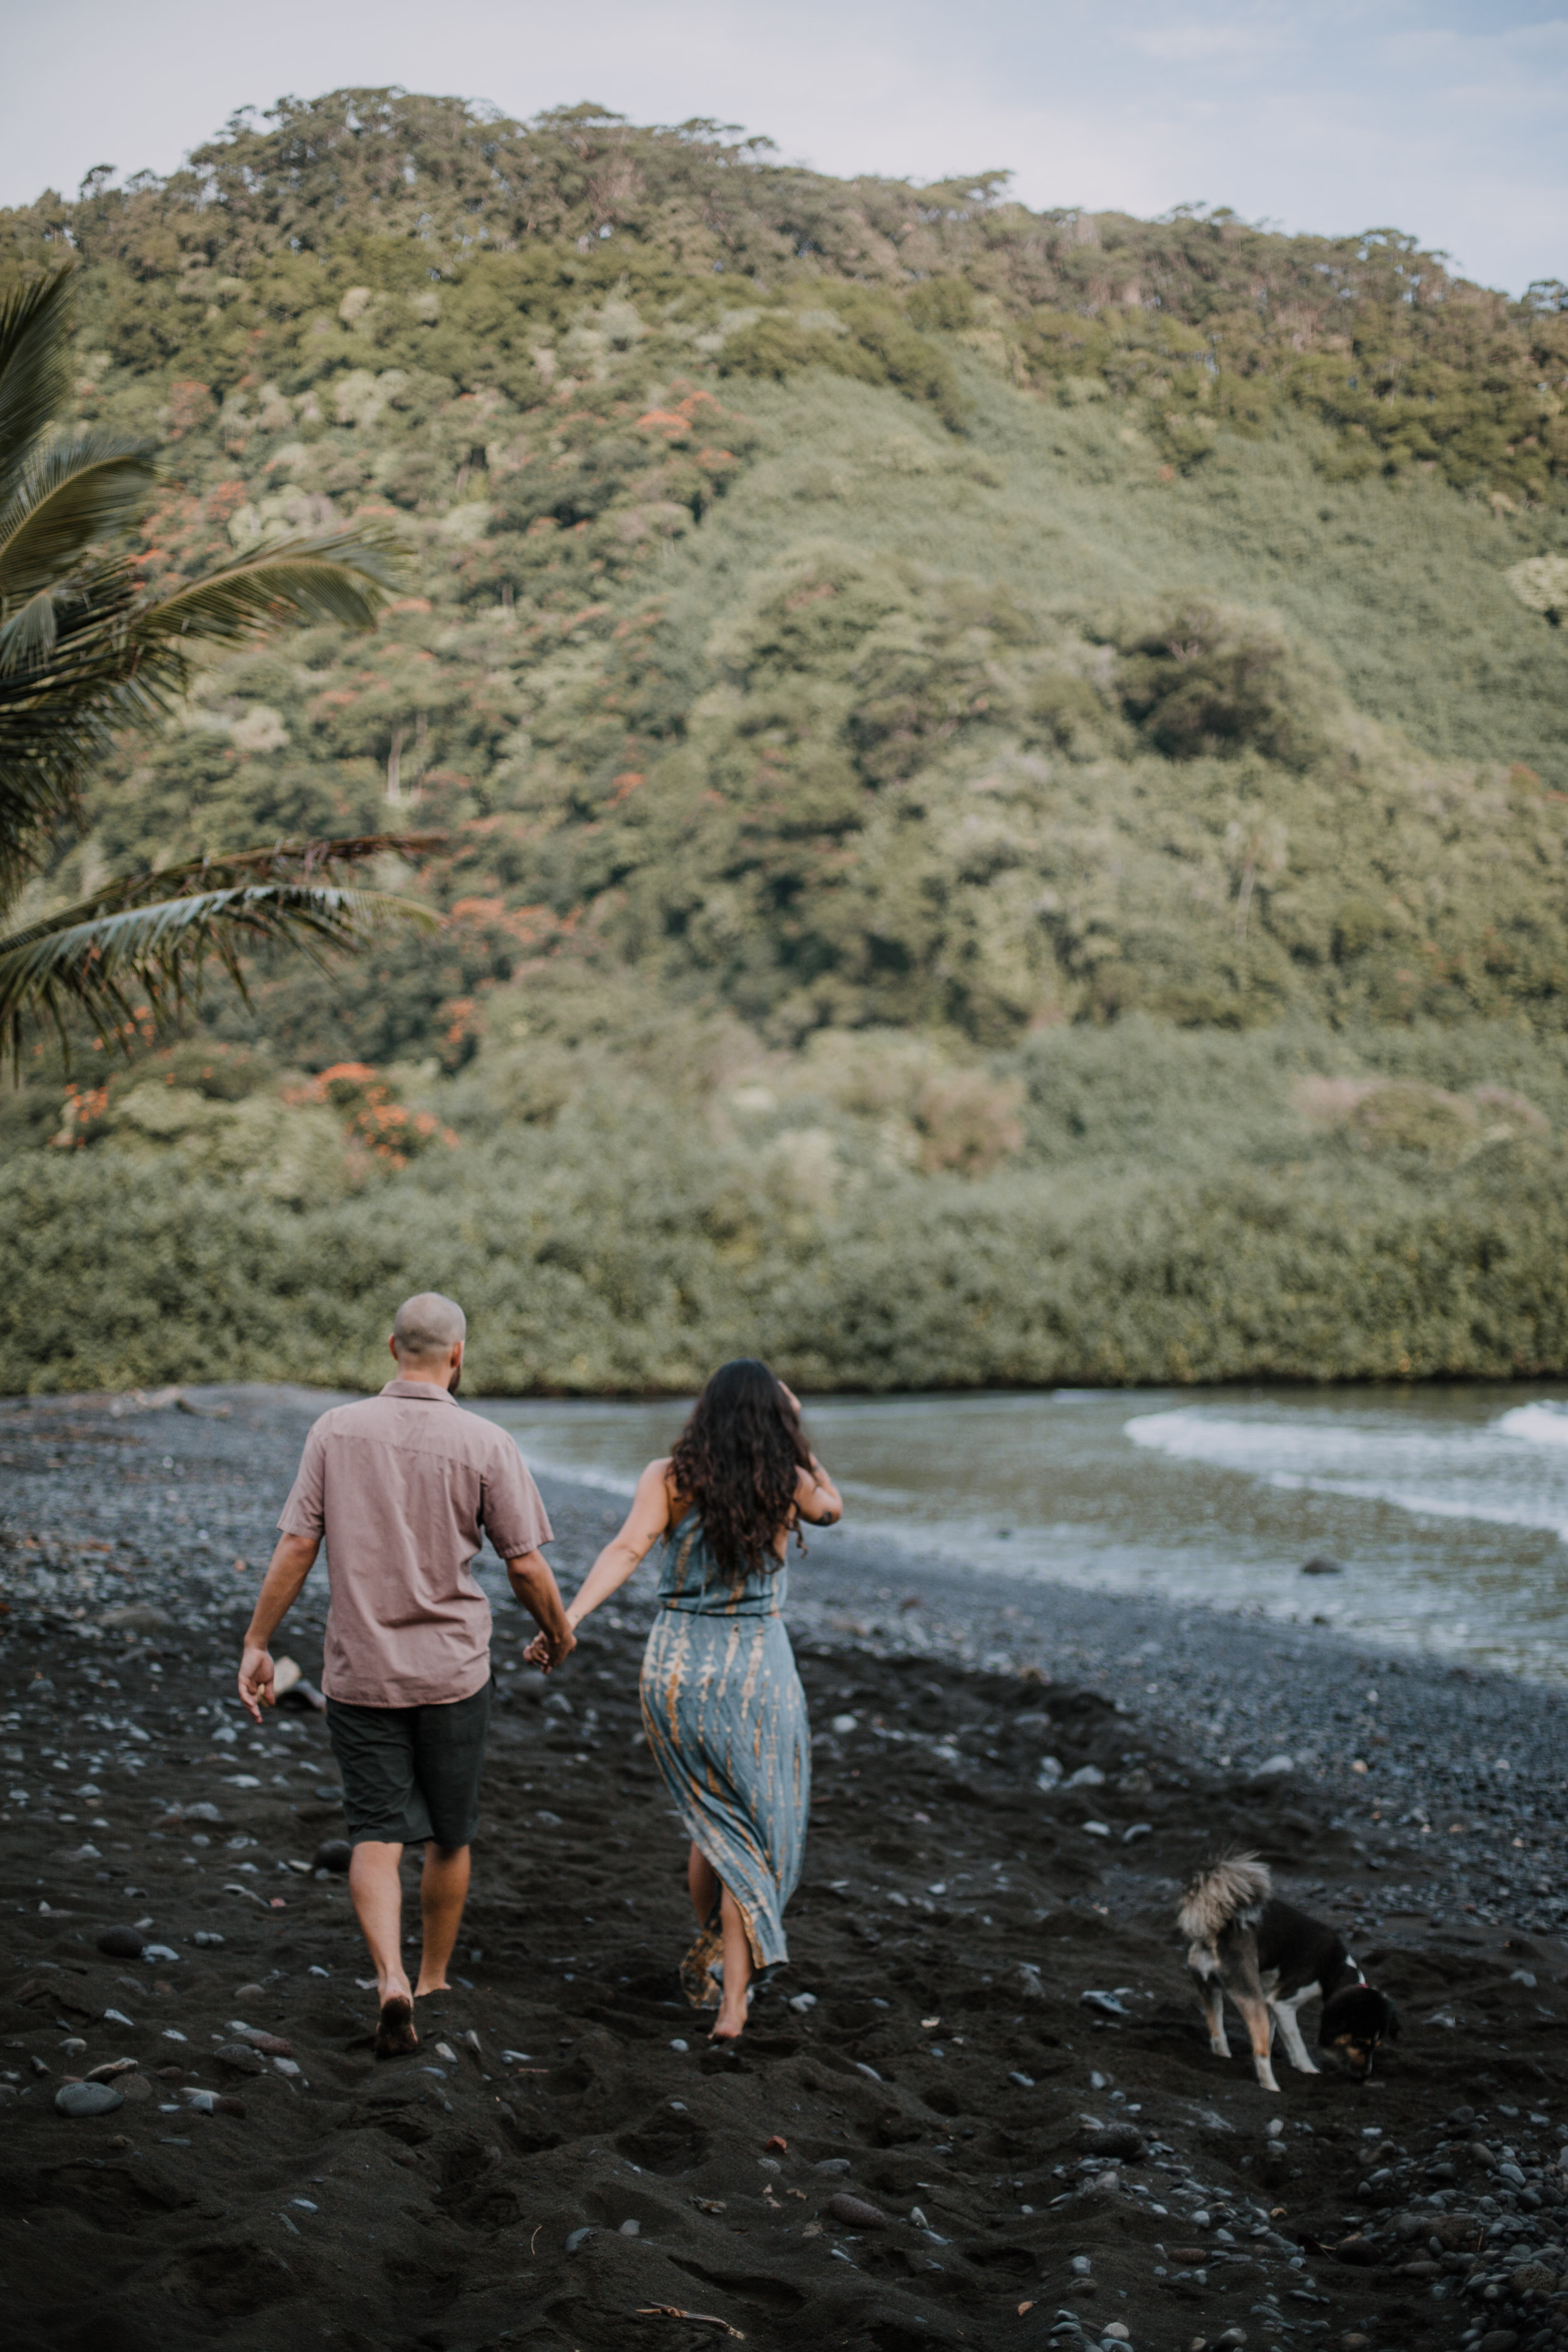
969,1122
1200,679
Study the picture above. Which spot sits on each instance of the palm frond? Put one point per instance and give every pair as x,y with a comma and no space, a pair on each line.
30,634
297,863
119,660
94,960
85,651
85,486
344,577
35,361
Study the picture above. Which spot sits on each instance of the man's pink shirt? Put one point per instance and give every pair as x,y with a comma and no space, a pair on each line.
404,1487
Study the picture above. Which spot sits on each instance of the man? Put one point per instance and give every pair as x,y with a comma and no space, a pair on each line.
401,1487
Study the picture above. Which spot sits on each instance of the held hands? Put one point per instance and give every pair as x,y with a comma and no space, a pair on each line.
546,1650
256,1680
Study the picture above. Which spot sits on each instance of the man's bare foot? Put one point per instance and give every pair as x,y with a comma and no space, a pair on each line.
394,2034
421,1989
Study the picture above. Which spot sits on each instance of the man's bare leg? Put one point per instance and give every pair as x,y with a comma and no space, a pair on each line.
377,1891
443,1891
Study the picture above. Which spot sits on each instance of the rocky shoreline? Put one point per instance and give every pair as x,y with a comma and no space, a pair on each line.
982,2108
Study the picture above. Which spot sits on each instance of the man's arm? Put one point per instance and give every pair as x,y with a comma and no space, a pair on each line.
534,1583
280,1588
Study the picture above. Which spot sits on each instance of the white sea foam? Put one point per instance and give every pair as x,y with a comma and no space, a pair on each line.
1538,1425
1447,1473
1305,1443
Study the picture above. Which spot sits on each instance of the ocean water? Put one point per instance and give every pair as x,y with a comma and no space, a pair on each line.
1446,1508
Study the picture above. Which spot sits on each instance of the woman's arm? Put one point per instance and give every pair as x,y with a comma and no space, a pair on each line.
816,1499
624,1555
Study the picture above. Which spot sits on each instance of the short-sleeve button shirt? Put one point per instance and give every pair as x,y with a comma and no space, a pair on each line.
404,1487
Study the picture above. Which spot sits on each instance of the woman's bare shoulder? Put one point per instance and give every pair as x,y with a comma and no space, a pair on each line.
658,1480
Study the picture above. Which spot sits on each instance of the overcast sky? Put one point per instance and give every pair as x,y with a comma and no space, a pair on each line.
1444,116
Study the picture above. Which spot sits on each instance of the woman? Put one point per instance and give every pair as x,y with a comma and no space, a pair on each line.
722,1701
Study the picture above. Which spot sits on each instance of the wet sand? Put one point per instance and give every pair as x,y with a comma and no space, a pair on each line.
565,2162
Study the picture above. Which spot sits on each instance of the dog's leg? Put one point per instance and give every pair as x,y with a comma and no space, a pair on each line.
1259,2025
1291,2035
1211,1993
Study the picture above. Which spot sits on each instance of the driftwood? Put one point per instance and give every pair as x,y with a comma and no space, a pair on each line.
695,2318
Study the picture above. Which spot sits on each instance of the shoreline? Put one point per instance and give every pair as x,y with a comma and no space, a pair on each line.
487,2200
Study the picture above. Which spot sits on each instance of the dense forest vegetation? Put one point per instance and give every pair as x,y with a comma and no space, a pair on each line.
1004,776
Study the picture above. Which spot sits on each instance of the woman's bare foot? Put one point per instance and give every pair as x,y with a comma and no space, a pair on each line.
394,2034
728,2026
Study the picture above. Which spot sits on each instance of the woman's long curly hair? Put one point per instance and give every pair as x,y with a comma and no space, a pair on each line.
736,1462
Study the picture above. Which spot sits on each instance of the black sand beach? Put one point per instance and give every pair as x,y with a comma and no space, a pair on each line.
1002,2056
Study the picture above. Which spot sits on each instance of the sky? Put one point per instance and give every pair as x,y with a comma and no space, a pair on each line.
1442,117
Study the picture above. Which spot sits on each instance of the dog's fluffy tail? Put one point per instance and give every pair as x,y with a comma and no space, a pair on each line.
1234,1888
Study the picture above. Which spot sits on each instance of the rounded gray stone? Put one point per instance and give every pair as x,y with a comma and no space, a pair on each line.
240,2058
86,2099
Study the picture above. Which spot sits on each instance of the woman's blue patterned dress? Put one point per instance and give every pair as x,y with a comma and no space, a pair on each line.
725,1716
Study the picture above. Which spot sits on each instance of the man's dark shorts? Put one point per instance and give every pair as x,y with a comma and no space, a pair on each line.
411,1774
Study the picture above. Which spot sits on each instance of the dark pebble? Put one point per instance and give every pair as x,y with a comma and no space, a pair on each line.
121,1944
1321,1565
332,1854
239,2058
855,2213
1118,2139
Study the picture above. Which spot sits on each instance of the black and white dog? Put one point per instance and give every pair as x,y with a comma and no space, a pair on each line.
1272,1960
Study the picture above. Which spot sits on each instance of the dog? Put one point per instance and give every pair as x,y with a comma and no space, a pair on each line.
1272,1960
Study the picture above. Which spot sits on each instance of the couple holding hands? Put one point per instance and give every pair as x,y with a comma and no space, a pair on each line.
403,1488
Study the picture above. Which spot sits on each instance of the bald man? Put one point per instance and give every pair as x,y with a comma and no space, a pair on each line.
404,1487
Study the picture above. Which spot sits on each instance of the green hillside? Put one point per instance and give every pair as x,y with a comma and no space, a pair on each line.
1005,775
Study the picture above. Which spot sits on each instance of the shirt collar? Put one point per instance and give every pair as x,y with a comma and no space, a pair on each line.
425,1392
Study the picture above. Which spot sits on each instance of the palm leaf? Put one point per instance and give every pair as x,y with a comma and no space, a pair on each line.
344,577
90,486
31,634
116,661
84,652
35,361
91,959
294,862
